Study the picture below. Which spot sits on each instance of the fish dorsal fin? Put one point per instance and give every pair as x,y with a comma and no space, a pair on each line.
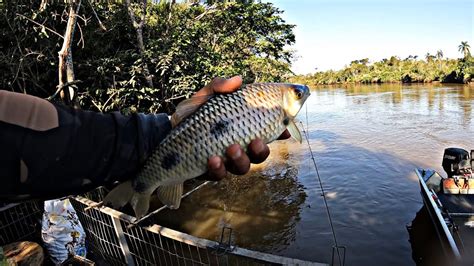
187,107
294,131
170,195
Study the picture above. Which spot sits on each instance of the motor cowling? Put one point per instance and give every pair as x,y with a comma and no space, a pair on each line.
456,161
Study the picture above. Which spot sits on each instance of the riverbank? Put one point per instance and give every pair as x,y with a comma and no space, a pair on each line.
469,83
396,70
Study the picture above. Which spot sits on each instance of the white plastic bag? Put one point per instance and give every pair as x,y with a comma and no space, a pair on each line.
61,229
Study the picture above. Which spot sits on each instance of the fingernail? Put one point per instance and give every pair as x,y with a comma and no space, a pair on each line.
216,163
237,154
258,145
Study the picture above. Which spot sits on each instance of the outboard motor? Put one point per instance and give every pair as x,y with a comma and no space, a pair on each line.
456,162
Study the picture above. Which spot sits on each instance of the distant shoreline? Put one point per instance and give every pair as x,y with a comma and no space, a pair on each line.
433,69
470,83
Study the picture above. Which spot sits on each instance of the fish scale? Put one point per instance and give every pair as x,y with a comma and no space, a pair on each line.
230,106
254,111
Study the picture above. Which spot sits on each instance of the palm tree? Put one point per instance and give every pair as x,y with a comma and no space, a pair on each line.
439,54
429,57
465,49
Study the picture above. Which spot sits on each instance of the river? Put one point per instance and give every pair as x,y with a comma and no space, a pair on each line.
366,139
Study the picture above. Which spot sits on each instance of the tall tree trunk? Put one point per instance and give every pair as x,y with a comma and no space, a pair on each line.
66,69
139,30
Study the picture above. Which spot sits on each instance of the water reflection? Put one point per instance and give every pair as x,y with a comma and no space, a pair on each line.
261,207
436,97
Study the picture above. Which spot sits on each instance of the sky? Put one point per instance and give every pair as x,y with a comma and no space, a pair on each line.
332,33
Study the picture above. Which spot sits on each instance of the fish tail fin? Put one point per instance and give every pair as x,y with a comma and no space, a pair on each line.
120,195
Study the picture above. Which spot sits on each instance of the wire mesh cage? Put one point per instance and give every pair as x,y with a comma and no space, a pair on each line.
20,221
112,237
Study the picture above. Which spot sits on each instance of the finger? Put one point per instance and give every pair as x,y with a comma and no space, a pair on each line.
220,85
209,88
238,162
258,151
216,169
285,135
227,85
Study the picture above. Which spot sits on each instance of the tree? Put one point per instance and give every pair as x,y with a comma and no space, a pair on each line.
139,32
439,56
183,45
66,69
429,57
435,68
464,48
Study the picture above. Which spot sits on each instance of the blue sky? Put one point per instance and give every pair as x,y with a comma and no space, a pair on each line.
331,33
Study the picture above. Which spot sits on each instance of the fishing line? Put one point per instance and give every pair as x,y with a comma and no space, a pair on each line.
323,193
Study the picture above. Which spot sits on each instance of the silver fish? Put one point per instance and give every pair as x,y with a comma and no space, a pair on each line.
260,110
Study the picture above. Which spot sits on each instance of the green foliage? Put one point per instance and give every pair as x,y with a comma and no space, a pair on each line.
410,69
186,45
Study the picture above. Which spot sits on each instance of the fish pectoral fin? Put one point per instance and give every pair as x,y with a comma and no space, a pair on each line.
294,131
187,107
170,195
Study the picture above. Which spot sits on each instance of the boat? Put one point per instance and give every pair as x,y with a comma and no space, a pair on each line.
449,202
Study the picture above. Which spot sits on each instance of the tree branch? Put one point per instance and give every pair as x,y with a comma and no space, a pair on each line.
139,31
41,25
102,27
66,70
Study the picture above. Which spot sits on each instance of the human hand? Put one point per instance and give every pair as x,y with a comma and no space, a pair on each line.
236,161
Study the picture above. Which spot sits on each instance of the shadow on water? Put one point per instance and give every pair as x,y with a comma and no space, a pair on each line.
425,244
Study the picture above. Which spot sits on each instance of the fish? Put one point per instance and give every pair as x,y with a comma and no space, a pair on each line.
258,110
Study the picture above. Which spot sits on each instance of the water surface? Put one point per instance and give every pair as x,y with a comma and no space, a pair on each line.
367,140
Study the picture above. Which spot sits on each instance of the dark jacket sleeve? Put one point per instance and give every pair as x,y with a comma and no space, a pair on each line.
85,150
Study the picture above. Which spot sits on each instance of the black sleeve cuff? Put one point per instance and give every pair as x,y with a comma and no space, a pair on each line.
152,129
137,137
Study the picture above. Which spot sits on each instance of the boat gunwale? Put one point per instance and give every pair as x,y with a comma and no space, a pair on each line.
437,217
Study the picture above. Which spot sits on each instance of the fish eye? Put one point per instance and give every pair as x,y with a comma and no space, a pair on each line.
299,93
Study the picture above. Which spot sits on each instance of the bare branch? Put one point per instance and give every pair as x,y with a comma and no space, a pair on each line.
83,19
82,36
41,25
209,10
43,5
66,70
102,27
108,100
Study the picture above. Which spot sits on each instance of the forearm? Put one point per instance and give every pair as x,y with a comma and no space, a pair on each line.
77,152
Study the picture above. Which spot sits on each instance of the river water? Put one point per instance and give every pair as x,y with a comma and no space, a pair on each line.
366,140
